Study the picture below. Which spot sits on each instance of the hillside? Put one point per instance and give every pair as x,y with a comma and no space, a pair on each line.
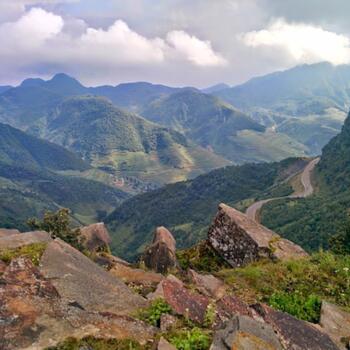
32,180
19,148
187,207
308,221
125,144
214,124
310,94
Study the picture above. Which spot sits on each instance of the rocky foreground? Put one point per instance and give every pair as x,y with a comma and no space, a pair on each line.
51,292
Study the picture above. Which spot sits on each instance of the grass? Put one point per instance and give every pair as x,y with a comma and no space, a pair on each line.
190,339
32,251
294,286
153,313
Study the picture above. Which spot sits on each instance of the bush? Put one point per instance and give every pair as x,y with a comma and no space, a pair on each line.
58,225
305,308
154,312
193,339
32,251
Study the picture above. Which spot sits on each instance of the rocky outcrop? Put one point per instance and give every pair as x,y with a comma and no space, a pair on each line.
8,232
34,315
245,333
336,323
240,240
160,256
96,237
294,333
81,281
17,240
182,301
208,285
165,345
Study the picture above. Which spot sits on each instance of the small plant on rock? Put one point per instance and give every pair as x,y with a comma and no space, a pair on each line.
192,339
154,312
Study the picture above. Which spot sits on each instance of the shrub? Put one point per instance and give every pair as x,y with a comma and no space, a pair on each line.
193,339
58,225
154,312
305,308
32,251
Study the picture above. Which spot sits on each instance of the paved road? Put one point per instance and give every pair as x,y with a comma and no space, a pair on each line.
254,209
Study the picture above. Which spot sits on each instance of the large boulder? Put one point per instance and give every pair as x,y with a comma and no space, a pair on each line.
245,333
336,323
79,280
17,240
182,301
8,232
34,316
160,256
96,237
240,240
293,333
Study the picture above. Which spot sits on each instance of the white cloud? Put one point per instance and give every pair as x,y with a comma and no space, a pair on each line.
196,51
303,43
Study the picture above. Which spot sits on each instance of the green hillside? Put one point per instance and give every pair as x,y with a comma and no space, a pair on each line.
312,221
125,144
298,98
187,208
215,124
34,178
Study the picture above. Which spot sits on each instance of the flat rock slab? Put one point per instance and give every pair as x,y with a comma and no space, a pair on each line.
34,316
79,280
240,240
293,333
21,239
245,333
336,323
208,285
165,345
8,232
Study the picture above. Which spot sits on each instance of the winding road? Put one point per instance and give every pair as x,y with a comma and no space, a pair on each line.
253,210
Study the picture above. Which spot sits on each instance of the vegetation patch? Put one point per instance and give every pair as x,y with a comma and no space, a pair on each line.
190,339
154,312
98,344
32,251
295,286
201,257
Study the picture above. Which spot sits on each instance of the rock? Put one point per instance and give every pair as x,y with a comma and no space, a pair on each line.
3,267
136,276
181,300
336,323
13,241
79,280
108,261
245,333
165,345
34,316
159,292
294,333
207,284
96,237
240,240
160,255
8,232
167,322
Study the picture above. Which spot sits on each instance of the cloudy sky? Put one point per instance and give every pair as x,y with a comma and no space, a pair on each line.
174,42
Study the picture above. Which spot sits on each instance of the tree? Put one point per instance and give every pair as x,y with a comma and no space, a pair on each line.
340,242
58,226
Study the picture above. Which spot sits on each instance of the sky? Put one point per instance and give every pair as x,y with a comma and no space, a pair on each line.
173,42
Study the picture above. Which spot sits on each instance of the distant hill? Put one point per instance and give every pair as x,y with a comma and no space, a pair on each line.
187,208
124,143
36,175
5,88
312,221
215,124
316,96
215,88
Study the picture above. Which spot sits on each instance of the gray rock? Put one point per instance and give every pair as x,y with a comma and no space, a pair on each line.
336,323
13,241
80,280
245,333
165,345
96,237
240,240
